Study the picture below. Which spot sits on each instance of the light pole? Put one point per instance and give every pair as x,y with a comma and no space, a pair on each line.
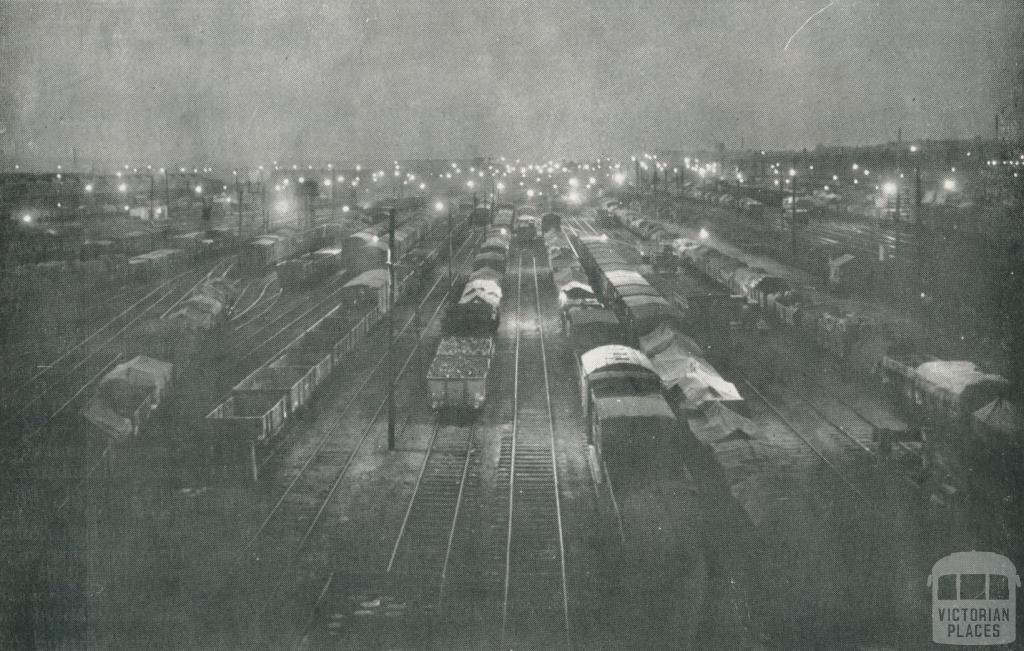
330,195
892,190
792,181
439,207
238,191
391,329
152,195
91,196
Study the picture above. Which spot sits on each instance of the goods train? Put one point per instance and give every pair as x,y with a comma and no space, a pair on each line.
309,268
261,404
127,396
639,306
956,408
626,397
379,209
963,421
139,255
688,379
504,218
631,399
551,221
944,400
283,243
457,377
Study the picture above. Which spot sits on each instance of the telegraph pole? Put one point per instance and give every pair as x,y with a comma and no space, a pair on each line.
793,214
167,192
263,203
391,330
238,190
899,191
451,280
918,230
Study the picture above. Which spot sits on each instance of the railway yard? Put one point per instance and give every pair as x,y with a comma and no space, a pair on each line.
602,434
448,325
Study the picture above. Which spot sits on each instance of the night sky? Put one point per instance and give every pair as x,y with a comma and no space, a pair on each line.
235,83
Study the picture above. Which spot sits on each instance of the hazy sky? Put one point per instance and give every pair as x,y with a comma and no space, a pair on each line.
233,83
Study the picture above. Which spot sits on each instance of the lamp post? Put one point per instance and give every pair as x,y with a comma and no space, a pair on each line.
330,195
91,197
792,181
451,280
238,191
391,329
152,195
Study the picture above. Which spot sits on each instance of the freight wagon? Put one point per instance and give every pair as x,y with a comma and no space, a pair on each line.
457,378
128,395
623,408
309,268
295,383
591,327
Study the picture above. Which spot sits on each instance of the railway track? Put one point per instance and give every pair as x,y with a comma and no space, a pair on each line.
273,548
18,384
54,458
111,312
78,487
535,600
240,313
815,437
280,445
46,393
296,316
423,547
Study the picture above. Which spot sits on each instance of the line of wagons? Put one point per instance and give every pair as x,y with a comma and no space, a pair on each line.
260,405
457,377
126,397
954,399
305,257
638,394
138,256
264,401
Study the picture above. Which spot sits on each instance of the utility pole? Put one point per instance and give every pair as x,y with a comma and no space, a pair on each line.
152,197
263,203
391,330
918,230
331,198
899,191
167,192
238,190
451,280
793,213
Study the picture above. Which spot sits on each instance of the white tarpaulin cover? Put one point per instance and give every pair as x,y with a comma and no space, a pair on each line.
376,278
613,355
122,390
955,376
484,286
999,419
719,423
698,381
